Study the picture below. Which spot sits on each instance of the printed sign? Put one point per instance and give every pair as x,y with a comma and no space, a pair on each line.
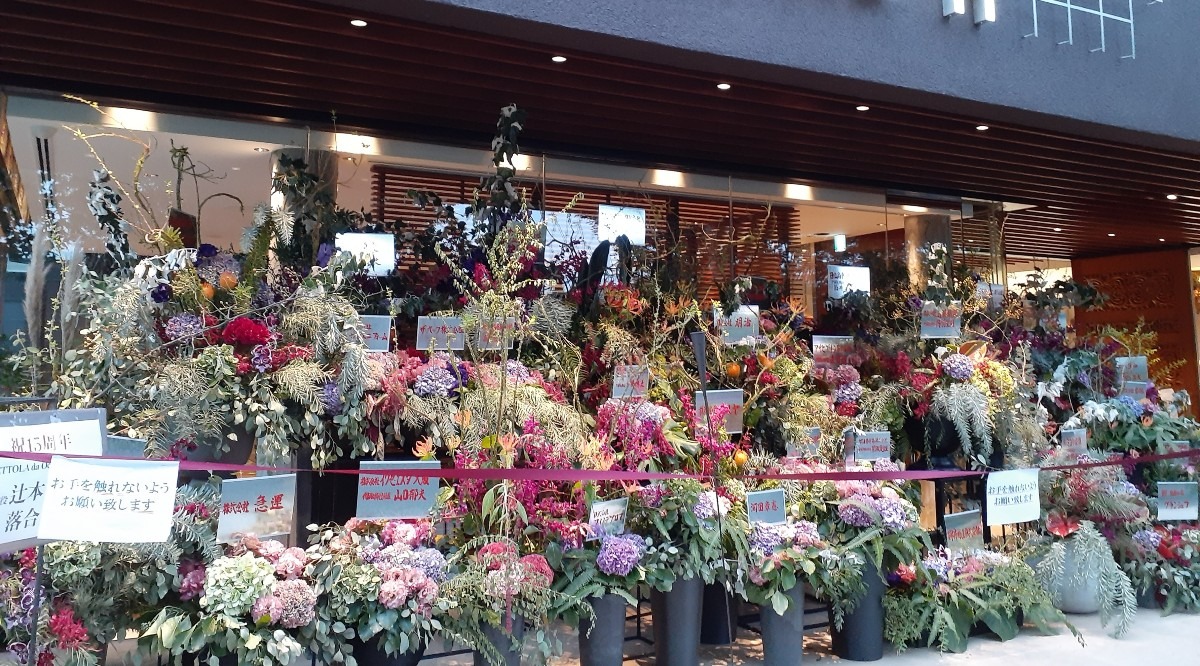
1133,368
493,334
1175,446
873,445
830,351
732,397
964,531
630,381
109,501
941,321
806,446
766,506
378,250
22,488
845,279
1135,390
377,332
1177,500
395,494
740,327
1012,497
261,505
628,221
608,517
440,333
1074,441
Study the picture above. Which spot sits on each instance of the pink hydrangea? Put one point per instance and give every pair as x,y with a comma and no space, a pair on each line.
270,550
267,609
851,488
191,584
299,603
393,594
290,563
411,534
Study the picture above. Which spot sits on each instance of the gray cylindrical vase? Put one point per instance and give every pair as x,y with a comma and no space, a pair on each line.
861,635
783,635
502,640
604,645
677,623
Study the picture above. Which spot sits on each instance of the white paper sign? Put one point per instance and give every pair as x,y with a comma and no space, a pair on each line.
440,333
732,397
964,531
873,445
807,446
845,279
377,332
1135,390
1012,497
1177,500
1074,441
492,335
1133,368
608,517
830,351
389,493
22,489
109,501
627,221
740,327
262,506
630,381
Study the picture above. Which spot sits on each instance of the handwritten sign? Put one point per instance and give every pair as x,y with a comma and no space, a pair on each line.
496,335
807,446
261,505
830,351
377,332
873,445
941,321
964,531
630,381
1074,441
734,398
22,488
767,506
1135,390
1012,497
394,494
109,501
1133,368
608,517
1175,446
440,333
845,279
740,327
1178,500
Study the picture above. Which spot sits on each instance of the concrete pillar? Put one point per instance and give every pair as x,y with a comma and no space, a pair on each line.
920,232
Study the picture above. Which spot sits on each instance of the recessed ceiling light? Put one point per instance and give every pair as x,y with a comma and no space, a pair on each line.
982,128
1058,228
862,107
1111,235
915,209
260,149
349,158
236,168
559,58
723,86
358,23
1162,240
1172,197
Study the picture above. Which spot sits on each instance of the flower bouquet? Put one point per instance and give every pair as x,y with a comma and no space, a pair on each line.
1163,564
60,636
959,399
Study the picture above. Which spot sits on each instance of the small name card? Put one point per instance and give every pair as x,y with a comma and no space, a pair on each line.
630,381
740,327
440,334
964,531
846,279
733,398
941,321
1177,500
873,445
608,517
1135,390
806,446
262,506
1133,368
830,351
496,335
1074,442
1012,497
377,332
394,494
766,506
109,501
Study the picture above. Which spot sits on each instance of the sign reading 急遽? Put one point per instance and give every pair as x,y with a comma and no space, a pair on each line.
964,530
385,491
607,517
766,506
260,505
109,501
1012,497
440,334
377,332
739,327
1177,500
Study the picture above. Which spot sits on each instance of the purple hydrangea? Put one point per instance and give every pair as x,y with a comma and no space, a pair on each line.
710,505
893,513
852,513
517,371
435,381
805,534
619,554
210,268
184,326
766,538
331,399
1147,539
1133,405
429,560
848,392
958,366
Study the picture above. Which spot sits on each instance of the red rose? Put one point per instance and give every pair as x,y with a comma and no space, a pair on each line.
245,331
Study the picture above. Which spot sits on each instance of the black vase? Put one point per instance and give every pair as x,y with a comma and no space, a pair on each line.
604,644
783,635
201,659
502,640
718,623
861,635
370,654
676,615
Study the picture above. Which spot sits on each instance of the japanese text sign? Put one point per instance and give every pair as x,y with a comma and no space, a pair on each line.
845,279
630,381
740,327
1074,441
873,445
109,501
395,494
733,398
260,505
1135,390
808,445
1012,497
377,332
964,531
1133,368
608,517
492,335
22,488
1177,500
941,321
766,506
830,351
440,333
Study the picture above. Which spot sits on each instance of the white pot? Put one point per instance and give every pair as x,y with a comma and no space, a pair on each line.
1081,598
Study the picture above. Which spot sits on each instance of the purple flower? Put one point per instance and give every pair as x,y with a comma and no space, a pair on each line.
893,512
915,302
1131,404
806,534
765,538
848,392
331,399
184,326
210,269
207,251
267,610
299,603
958,366
710,505
162,293
517,371
852,513
1147,539
435,381
652,495
191,586
619,554
260,358
429,560
324,254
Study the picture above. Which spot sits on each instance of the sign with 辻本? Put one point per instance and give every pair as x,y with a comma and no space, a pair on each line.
766,506
873,445
941,321
830,351
964,530
1177,500
608,517
630,381
386,491
260,505
739,327
440,334
109,501
377,332
1012,497
733,398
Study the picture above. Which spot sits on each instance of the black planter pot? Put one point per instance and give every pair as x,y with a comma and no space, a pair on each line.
676,615
981,628
718,623
1148,599
604,644
783,635
502,640
861,635
370,654
201,659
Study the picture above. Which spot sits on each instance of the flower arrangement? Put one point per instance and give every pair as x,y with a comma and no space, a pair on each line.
1163,564
51,622
780,555
966,389
609,564
685,525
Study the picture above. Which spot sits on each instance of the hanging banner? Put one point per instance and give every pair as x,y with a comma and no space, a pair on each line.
262,505
964,531
873,445
440,334
740,327
607,517
845,279
807,446
830,351
1012,497
1074,441
1132,368
395,495
941,321
767,506
109,501
1178,500
630,381
733,398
